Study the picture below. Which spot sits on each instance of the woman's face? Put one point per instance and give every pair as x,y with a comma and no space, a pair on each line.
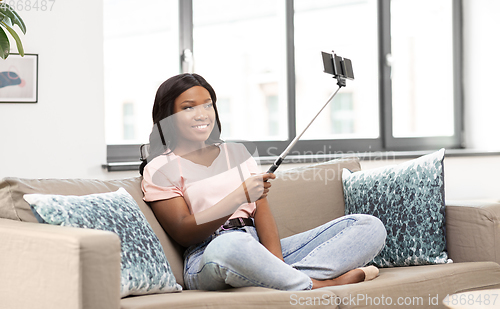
194,114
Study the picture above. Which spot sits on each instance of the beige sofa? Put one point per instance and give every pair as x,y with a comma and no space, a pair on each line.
44,266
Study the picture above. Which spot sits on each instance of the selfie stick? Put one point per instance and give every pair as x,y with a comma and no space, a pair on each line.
341,69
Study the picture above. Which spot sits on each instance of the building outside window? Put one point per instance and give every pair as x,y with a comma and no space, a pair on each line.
342,114
128,121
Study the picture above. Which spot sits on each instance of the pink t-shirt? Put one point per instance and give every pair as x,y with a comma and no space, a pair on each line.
168,176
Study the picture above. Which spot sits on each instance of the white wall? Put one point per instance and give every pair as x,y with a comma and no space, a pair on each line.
63,134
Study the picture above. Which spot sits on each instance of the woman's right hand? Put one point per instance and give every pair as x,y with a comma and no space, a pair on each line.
189,229
256,187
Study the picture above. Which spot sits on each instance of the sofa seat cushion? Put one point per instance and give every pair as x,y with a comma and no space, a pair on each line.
418,286
241,298
428,284
13,206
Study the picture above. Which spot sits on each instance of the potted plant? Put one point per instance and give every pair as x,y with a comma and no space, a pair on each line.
9,18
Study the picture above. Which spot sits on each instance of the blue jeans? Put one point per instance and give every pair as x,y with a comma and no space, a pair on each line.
236,258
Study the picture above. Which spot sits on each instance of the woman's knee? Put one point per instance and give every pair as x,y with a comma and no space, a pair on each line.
227,246
373,225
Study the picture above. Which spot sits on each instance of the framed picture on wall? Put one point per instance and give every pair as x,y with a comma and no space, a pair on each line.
19,79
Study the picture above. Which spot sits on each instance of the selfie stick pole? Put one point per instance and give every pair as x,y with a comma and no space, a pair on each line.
282,156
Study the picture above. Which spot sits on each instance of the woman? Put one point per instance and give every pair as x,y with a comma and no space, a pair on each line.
211,198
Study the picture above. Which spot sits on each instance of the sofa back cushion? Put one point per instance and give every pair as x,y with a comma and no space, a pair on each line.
306,197
13,206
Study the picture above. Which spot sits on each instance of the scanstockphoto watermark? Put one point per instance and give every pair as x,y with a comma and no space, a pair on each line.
313,174
328,173
28,5
364,300
326,153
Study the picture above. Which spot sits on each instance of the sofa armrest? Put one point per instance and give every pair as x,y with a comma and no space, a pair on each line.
473,231
47,266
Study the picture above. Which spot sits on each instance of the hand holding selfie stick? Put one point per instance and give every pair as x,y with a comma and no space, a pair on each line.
340,68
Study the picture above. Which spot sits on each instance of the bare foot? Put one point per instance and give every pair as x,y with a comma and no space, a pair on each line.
352,276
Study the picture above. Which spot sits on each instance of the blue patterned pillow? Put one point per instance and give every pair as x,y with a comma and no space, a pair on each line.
409,199
144,266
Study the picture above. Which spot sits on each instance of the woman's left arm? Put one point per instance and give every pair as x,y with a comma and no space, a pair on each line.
266,228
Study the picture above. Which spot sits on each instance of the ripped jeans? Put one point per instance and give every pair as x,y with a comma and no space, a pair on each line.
236,258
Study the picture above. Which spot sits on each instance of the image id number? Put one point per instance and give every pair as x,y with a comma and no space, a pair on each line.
478,298
28,5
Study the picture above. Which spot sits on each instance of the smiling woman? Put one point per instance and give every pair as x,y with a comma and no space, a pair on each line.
211,198
186,99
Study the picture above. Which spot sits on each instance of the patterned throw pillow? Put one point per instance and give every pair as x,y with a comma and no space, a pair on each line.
144,267
409,199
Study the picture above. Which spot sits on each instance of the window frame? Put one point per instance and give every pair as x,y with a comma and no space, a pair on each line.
126,157
392,143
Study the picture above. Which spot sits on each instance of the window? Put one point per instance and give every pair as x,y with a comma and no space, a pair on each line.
352,35
140,49
421,73
263,59
422,90
238,50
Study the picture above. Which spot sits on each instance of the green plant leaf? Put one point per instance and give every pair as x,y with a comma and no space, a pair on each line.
20,48
4,45
6,20
8,11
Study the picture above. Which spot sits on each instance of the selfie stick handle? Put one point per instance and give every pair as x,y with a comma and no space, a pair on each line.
295,140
